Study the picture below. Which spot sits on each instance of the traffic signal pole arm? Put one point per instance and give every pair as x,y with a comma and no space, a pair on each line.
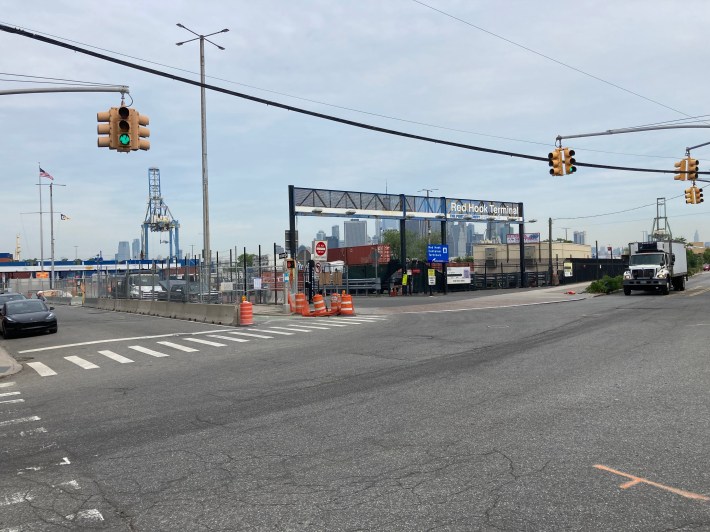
123,89
559,138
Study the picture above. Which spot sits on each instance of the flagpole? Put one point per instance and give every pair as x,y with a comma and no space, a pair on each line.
41,233
51,226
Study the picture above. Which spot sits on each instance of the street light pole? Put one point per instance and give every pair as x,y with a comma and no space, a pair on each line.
206,251
549,248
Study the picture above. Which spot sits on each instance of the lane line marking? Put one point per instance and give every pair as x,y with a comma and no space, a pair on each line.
309,326
8,394
230,338
251,334
180,347
42,369
19,420
698,291
81,362
115,356
292,329
268,332
127,339
13,401
147,351
639,480
206,342
6,384
329,324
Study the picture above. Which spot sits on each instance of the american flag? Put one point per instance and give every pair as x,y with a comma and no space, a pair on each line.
42,173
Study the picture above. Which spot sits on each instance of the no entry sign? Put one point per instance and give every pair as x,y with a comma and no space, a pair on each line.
320,250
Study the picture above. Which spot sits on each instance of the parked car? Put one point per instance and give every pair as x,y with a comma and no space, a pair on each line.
706,267
10,296
26,315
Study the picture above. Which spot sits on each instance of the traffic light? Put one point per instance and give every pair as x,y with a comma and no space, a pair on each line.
104,128
682,167
123,129
138,133
692,168
290,264
570,161
699,195
690,195
555,161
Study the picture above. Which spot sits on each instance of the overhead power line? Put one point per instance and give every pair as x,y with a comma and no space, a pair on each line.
48,40
479,28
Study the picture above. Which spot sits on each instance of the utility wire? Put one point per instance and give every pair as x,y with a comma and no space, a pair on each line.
548,57
617,212
336,106
323,116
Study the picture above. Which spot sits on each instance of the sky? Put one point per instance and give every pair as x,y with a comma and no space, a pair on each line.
508,76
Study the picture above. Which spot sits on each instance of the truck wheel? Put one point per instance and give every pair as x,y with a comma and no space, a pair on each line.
666,289
682,283
627,291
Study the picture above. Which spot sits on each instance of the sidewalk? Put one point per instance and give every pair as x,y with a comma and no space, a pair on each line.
8,365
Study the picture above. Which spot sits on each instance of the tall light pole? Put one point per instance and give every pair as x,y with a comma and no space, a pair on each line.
549,247
207,254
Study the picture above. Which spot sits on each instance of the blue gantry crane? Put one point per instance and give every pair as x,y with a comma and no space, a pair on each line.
158,218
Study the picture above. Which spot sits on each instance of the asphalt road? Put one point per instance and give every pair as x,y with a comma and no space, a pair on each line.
543,411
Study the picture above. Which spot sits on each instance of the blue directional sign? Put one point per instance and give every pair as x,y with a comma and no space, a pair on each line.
437,253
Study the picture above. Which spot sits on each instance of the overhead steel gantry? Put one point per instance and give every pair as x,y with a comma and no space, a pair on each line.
321,202
158,218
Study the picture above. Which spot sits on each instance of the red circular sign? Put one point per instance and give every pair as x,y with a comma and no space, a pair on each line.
321,248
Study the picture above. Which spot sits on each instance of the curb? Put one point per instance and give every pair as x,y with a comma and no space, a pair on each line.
8,365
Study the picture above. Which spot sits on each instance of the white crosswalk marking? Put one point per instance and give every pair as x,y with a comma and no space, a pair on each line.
7,384
303,326
271,332
291,329
42,369
180,347
8,394
349,321
250,334
326,323
206,342
10,401
81,362
115,356
230,338
147,351
19,420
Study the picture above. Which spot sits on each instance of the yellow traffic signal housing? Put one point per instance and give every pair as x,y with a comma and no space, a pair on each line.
109,126
692,167
555,161
570,161
699,195
137,132
122,119
690,195
682,167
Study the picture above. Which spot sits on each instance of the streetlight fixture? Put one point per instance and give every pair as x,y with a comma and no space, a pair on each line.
207,253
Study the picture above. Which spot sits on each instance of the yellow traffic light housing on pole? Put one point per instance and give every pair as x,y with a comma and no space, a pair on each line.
682,167
123,129
139,133
692,168
690,195
555,161
570,161
699,195
104,128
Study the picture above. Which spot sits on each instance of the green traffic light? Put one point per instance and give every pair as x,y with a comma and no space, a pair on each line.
124,139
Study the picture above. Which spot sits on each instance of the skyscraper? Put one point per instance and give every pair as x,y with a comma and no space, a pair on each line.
136,249
580,237
355,232
124,251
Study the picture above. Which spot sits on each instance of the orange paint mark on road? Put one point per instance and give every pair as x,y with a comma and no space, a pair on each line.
638,480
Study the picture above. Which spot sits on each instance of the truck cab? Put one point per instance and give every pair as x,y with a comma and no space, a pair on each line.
655,266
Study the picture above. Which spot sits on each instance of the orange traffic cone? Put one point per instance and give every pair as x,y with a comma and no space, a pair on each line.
346,307
319,305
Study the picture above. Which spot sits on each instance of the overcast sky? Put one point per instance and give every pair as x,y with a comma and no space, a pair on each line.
502,75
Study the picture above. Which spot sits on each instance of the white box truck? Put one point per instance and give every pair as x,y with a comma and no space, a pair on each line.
656,266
